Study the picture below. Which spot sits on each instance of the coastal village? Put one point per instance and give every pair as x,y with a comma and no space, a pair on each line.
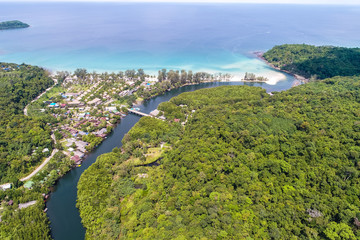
85,108
88,106
87,113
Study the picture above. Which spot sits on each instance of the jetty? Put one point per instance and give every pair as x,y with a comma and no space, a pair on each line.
138,112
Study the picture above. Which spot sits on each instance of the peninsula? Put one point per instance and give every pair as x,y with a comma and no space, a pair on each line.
314,62
13,25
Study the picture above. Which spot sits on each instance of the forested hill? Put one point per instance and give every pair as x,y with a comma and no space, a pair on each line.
322,62
246,165
22,141
13,25
20,136
19,85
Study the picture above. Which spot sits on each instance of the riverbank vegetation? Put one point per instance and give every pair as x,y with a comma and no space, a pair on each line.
30,222
24,143
316,62
242,164
13,25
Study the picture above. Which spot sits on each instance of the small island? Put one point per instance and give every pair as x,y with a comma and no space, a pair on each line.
13,25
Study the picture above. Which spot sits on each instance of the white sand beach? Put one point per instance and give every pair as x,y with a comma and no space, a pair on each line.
274,77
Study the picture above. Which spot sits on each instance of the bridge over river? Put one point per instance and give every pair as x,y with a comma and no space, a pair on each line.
139,113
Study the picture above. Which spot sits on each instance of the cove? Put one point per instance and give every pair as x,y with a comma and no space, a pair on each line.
62,212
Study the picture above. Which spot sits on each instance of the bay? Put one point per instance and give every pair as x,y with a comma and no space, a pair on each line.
200,37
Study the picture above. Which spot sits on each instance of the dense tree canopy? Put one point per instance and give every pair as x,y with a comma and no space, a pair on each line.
244,165
22,139
19,85
23,143
307,60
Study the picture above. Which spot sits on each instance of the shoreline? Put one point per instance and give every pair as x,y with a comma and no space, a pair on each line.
273,78
299,78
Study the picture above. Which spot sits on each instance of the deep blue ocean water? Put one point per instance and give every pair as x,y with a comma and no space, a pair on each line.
209,37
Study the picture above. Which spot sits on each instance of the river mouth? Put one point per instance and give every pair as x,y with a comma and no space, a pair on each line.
65,221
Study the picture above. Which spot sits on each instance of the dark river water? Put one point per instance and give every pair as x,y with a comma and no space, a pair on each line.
62,211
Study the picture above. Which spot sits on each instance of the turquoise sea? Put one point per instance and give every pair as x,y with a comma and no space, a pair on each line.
200,37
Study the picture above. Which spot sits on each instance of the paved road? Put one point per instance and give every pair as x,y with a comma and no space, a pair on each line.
43,164
39,167
52,136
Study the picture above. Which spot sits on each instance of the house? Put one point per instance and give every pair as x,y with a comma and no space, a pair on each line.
95,101
101,132
76,159
155,113
83,133
162,118
176,120
81,145
110,109
71,94
53,105
79,154
6,186
73,132
63,105
70,142
74,103
27,204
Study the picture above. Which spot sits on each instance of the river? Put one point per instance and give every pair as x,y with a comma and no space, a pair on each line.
62,212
